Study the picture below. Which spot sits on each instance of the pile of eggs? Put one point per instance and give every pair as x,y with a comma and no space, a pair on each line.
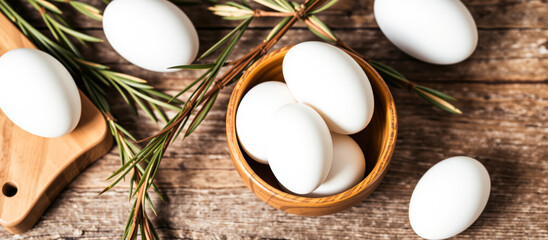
300,128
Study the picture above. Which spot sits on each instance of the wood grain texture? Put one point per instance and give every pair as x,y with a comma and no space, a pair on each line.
502,90
33,169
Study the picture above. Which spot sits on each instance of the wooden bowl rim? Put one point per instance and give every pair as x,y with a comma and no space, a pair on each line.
240,162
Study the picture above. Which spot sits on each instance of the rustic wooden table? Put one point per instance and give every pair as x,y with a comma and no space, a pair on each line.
502,90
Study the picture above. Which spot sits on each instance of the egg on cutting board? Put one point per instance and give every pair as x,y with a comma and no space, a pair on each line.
254,116
330,81
434,31
300,149
347,167
449,198
152,34
38,94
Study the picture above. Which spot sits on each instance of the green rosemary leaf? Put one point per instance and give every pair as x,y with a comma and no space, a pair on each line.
142,171
160,112
143,178
163,96
136,84
278,27
156,101
35,5
153,229
195,66
104,78
131,183
49,6
50,26
218,44
201,115
122,93
126,77
129,221
324,7
155,169
272,5
124,167
142,227
96,96
87,10
389,73
147,197
222,59
331,37
61,21
237,17
438,102
187,87
295,5
91,64
124,131
318,34
285,4
240,6
69,44
79,35
437,93
245,3
97,88
388,70
119,178
132,146
224,55
158,193
141,105
390,81
7,13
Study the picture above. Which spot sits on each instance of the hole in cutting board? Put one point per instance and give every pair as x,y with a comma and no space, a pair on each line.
9,189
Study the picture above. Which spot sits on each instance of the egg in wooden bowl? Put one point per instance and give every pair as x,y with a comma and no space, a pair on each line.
377,142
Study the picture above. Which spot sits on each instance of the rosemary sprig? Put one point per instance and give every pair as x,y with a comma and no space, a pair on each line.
95,78
320,29
200,103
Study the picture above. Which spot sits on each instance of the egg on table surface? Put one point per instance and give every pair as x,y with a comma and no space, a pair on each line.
300,149
255,113
449,198
152,34
329,80
434,31
347,167
38,94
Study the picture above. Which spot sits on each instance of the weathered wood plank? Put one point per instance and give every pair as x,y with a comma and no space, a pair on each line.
508,55
493,44
355,14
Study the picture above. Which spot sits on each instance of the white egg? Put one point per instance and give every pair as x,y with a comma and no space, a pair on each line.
434,31
449,197
300,149
152,34
327,79
255,113
347,168
38,94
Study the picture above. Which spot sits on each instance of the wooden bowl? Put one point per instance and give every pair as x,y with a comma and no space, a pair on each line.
377,142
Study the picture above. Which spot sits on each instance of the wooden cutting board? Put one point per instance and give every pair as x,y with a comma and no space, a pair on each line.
34,170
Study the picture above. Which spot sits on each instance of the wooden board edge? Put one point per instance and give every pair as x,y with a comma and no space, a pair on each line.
65,176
